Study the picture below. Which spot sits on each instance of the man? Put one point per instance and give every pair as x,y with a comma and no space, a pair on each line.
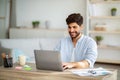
77,50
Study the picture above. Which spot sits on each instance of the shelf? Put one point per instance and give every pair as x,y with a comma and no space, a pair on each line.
99,13
30,28
108,47
105,17
105,2
2,17
104,32
108,61
27,33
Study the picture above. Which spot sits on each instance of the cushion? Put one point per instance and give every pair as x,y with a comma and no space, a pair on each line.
48,44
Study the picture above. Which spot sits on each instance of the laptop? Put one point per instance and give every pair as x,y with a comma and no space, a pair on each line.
48,60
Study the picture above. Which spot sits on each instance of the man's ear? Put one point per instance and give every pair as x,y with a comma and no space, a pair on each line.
82,27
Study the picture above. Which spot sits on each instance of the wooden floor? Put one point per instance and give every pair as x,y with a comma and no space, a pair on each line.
112,66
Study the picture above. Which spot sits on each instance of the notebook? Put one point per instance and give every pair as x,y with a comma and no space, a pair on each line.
48,60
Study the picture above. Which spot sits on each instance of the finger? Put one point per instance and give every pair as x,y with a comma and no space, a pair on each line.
65,67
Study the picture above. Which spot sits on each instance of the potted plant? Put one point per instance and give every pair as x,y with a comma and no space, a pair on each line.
113,11
35,24
98,39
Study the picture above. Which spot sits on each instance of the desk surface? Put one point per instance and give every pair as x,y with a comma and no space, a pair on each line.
35,74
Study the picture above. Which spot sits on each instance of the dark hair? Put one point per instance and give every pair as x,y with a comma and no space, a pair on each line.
75,17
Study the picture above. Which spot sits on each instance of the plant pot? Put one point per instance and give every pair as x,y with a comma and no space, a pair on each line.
98,42
36,26
113,13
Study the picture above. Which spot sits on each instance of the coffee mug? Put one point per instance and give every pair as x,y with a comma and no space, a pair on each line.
22,60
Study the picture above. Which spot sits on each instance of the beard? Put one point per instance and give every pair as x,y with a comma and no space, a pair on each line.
74,34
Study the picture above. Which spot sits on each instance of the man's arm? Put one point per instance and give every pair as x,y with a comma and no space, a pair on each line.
82,64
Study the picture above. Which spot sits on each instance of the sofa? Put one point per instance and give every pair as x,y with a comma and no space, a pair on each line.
26,47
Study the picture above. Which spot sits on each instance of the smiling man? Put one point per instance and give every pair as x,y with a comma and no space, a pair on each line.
77,50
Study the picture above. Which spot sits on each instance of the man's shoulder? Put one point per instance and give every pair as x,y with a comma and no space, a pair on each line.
88,38
65,39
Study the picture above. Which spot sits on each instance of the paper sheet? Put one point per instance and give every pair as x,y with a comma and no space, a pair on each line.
91,72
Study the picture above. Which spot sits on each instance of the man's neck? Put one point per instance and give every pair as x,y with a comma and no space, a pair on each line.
74,40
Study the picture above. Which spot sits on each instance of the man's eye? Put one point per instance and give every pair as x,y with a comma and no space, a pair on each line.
74,27
69,27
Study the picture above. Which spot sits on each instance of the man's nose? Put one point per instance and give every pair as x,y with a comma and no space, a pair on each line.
71,30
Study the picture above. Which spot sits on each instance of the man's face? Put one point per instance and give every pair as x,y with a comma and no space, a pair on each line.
74,29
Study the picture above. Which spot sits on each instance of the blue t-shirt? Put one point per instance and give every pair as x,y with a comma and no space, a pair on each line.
85,49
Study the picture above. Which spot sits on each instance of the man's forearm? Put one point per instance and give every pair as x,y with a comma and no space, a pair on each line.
81,64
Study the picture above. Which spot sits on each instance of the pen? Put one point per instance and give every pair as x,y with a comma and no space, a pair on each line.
7,60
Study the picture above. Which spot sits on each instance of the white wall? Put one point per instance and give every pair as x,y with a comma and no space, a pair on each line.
4,12
55,11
